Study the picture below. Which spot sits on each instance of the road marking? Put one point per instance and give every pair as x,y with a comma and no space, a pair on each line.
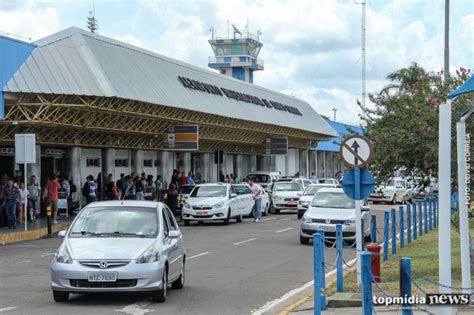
24,261
268,219
136,309
287,229
286,219
246,241
198,255
6,309
271,304
47,254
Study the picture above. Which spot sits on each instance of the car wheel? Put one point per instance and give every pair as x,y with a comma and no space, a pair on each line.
187,222
226,221
238,218
179,283
60,296
277,211
304,240
300,214
160,295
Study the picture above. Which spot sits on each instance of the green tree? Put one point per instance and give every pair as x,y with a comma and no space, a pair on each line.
403,124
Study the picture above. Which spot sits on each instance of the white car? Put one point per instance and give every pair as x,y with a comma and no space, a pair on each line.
285,195
211,202
307,197
394,191
242,189
330,181
331,206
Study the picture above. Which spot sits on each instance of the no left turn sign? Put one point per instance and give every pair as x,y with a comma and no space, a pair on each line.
356,151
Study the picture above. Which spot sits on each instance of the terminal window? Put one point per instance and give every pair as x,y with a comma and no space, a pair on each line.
93,162
148,163
121,162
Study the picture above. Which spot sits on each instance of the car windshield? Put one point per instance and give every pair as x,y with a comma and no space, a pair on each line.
259,178
325,199
389,183
116,221
311,190
185,189
287,186
326,181
209,191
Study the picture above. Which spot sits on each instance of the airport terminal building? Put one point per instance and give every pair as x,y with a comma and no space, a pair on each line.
97,105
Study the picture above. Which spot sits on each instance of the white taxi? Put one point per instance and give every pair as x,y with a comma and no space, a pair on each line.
216,202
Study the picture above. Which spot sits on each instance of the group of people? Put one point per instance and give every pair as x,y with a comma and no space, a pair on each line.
15,197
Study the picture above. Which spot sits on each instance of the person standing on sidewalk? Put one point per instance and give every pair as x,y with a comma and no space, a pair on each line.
53,188
34,191
12,198
24,194
258,199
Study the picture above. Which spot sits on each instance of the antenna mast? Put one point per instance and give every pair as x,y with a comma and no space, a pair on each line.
363,59
92,23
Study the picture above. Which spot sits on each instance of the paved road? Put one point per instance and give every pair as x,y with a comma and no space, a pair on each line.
230,270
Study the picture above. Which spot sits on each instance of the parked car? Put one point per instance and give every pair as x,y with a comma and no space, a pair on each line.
264,179
331,206
302,180
285,195
241,189
393,191
331,181
211,202
120,246
307,197
183,194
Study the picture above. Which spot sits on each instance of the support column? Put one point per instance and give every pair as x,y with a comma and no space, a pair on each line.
35,169
303,162
137,161
76,172
166,166
186,162
253,163
238,167
109,162
205,167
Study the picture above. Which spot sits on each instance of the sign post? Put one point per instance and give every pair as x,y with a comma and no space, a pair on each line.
25,152
356,152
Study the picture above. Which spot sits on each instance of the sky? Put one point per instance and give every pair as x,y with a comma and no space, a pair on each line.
311,49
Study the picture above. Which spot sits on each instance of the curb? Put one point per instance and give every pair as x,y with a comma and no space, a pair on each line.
9,238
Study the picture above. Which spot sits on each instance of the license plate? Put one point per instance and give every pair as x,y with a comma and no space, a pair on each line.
102,276
376,194
200,214
292,203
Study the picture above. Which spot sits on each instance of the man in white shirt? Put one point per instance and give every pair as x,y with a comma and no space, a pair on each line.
258,199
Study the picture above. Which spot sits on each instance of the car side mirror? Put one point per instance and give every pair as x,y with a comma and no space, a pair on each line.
233,195
174,234
62,233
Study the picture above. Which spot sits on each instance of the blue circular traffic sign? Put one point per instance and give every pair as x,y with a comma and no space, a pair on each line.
358,186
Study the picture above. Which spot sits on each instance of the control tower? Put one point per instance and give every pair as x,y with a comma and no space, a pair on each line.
237,56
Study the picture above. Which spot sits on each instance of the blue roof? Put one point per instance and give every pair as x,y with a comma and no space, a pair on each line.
467,87
342,130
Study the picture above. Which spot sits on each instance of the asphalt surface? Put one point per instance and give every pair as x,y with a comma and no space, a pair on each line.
231,269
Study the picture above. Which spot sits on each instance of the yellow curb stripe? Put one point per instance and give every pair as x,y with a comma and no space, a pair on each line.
8,238
291,307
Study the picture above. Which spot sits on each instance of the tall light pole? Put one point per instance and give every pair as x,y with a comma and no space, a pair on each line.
334,110
363,60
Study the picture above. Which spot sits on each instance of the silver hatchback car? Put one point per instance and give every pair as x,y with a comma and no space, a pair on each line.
120,246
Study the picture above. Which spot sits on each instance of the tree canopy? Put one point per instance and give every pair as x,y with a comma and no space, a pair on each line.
404,122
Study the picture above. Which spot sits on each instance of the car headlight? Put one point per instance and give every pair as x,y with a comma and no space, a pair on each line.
306,219
304,203
219,204
151,255
277,197
350,222
62,255
187,206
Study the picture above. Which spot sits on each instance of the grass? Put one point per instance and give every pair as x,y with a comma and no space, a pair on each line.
424,254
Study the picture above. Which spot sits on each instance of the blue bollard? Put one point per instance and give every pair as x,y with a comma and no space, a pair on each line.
430,213
340,283
317,244
394,232
409,223
425,205
405,283
435,211
415,234
402,229
362,236
420,218
373,228
367,307
323,275
385,235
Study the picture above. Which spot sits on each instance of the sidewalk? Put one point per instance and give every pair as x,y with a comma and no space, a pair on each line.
35,231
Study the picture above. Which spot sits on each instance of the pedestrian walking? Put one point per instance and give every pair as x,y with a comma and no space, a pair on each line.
53,188
257,198
23,204
159,188
172,199
34,190
89,190
182,179
139,189
190,179
12,197
115,191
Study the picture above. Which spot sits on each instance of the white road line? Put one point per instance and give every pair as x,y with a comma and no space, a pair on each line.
198,255
268,219
136,309
246,241
24,261
6,309
287,229
286,219
46,254
271,304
